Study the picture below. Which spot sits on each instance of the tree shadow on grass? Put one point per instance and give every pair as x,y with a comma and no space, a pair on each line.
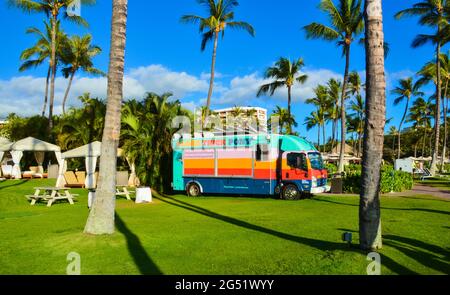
16,183
314,243
141,259
387,208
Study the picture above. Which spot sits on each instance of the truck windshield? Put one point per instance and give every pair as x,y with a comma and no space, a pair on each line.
316,161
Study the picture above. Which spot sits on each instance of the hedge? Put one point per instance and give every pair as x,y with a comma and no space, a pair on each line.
391,180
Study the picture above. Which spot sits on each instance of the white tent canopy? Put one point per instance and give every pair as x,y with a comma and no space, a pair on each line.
90,152
4,147
35,145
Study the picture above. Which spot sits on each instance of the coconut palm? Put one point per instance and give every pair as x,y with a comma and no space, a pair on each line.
315,120
346,20
53,10
333,113
420,115
77,55
405,91
434,14
41,52
369,205
285,120
101,217
220,16
394,133
285,74
358,106
322,102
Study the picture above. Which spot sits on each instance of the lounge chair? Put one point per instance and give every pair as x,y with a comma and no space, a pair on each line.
6,171
81,176
122,184
72,181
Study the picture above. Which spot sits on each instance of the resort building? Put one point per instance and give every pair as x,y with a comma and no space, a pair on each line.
260,114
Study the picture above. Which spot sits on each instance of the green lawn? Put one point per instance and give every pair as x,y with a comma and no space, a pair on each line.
220,235
439,182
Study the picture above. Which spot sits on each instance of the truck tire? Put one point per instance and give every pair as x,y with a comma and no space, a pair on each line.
193,190
291,192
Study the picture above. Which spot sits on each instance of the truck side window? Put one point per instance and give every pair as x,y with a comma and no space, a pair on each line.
297,160
262,152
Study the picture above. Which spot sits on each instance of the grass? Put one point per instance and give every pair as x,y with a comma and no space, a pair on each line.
220,235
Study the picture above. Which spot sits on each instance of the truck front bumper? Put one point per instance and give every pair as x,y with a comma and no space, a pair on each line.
320,189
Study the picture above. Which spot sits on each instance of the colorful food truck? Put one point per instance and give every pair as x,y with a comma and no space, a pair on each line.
264,164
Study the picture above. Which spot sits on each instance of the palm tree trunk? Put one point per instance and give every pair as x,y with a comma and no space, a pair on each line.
53,74
400,128
437,123
211,81
324,137
46,91
369,205
445,108
318,137
424,142
343,114
333,135
101,217
67,92
289,109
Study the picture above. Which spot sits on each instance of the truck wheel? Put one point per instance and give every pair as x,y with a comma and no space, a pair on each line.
193,190
291,192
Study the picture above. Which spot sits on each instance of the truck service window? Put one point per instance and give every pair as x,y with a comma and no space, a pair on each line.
262,152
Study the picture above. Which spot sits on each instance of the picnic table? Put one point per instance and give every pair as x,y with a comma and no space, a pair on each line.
122,190
50,195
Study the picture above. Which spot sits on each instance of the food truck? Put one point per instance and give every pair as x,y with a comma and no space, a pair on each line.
263,164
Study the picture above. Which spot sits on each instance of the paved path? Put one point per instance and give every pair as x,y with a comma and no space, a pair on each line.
420,189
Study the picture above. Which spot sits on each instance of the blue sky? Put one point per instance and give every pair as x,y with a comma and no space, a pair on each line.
164,55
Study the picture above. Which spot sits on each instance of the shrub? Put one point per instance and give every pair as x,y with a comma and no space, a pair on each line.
331,168
391,180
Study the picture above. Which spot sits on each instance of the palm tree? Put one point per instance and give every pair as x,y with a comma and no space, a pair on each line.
420,114
406,89
432,13
394,133
286,120
52,9
346,24
285,74
359,108
333,113
41,52
101,217
315,120
369,205
78,55
220,16
323,103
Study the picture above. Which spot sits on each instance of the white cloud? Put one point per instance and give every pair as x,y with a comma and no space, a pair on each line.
24,94
243,89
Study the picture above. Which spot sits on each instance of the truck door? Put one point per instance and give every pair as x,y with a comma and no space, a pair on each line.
295,167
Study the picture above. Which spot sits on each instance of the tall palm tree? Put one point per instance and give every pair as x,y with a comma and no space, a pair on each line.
406,89
315,120
333,113
78,55
359,108
220,16
369,205
53,10
346,24
394,133
420,115
41,52
323,103
285,120
101,217
285,74
435,14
